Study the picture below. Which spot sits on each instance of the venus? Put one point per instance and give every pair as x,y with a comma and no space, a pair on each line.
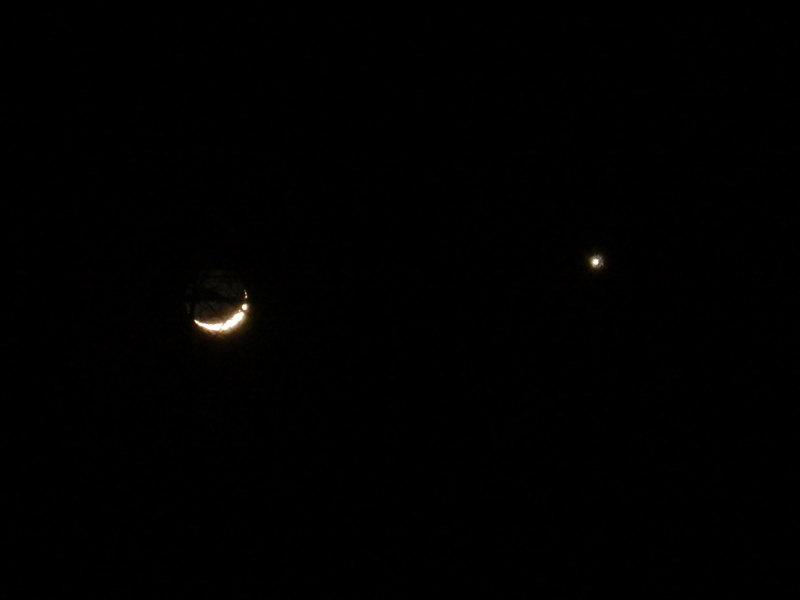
596,261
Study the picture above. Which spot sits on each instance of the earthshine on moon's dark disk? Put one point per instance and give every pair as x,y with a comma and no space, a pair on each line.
217,302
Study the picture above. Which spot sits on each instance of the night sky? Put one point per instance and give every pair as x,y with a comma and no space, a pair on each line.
432,384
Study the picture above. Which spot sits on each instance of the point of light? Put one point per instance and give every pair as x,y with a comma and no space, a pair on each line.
596,261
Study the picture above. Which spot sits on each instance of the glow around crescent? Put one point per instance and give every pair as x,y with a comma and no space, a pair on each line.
231,323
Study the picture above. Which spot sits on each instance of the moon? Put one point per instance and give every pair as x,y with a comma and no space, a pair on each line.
231,323
217,302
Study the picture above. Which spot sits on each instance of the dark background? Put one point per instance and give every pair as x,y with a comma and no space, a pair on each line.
431,382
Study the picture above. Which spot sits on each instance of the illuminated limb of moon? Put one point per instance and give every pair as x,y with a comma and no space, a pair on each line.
234,321
227,325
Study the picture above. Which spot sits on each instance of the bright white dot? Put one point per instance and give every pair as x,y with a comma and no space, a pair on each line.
596,261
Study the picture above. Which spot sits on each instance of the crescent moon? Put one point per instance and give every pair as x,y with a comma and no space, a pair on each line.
226,326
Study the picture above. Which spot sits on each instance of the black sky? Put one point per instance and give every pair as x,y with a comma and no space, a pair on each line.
431,379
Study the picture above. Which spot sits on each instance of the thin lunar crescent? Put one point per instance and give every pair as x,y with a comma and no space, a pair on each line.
231,323
218,302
